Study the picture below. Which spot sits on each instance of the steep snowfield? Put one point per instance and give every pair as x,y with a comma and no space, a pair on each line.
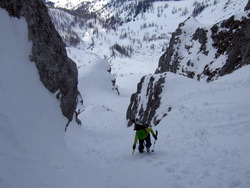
203,142
223,10
33,151
208,132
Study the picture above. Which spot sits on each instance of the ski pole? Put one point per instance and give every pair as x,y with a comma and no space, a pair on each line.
154,142
133,150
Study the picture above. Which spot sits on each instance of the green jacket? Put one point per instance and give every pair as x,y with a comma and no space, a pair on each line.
142,134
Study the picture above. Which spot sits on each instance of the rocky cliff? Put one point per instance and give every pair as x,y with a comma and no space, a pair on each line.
196,51
202,52
247,6
147,100
57,72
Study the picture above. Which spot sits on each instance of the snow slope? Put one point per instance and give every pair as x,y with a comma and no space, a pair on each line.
33,151
203,142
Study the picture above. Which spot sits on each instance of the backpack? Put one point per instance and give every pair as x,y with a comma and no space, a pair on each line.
141,131
142,134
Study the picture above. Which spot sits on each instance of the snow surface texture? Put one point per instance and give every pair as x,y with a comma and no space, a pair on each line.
33,152
203,142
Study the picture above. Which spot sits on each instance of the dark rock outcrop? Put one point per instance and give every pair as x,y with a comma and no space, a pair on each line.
247,6
200,35
233,39
170,55
195,51
57,72
179,57
229,47
145,102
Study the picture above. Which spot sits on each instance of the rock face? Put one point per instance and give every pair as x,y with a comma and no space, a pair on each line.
208,52
233,39
195,51
247,6
57,72
147,99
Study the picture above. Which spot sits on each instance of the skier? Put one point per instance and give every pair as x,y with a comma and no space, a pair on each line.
142,133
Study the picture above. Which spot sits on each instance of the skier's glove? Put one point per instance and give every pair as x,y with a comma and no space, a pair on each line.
155,137
134,147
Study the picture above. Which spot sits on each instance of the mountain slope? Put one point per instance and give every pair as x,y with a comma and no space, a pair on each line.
202,139
143,38
57,71
202,142
196,51
33,151
202,52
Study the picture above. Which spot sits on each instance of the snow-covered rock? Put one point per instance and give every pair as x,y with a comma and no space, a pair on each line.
206,52
196,51
33,151
57,71
147,99
247,6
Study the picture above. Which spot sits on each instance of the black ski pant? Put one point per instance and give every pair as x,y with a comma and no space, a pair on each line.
146,142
